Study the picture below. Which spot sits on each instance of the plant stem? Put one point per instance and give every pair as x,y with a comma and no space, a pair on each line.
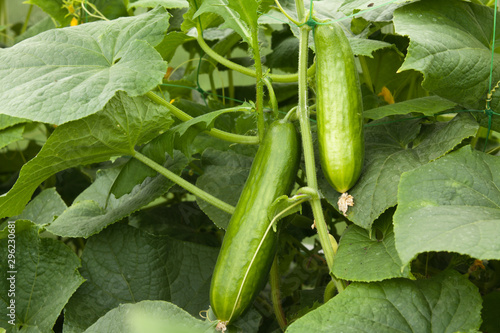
272,97
307,144
212,85
216,133
274,280
366,73
285,13
259,99
185,184
26,20
247,71
4,19
230,84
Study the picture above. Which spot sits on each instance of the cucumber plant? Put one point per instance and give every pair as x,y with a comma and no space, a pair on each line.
148,149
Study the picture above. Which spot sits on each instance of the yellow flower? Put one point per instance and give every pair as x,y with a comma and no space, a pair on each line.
386,94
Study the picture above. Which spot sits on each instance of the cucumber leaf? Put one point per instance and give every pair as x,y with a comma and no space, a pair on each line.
151,317
180,137
428,106
124,123
67,74
8,121
446,303
43,208
389,154
42,288
452,204
163,3
123,264
55,9
450,43
367,256
371,10
225,174
11,134
239,15
94,209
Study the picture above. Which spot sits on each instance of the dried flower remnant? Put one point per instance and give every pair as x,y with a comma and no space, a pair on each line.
344,202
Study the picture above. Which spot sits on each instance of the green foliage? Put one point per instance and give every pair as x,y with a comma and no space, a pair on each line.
99,241
451,204
66,74
445,303
123,264
45,277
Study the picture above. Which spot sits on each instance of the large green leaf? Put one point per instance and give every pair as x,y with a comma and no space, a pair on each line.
170,43
43,208
123,264
450,43
369,256
452,204
11,134
428,106
8,121
54,8
124,123
180,136
45,276
371,10
224,177
389,154
95,208
239,15
447,303
67,74
151,317
206,20
163,3
366,47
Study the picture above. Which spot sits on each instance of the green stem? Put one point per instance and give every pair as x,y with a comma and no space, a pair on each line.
272,97
301,12
366,73
291,116
481,132
493,151
212,85
307,144
230,82
286,14
247,71
259,102
411,89
185,184
4,19
26,20
216,133
274,280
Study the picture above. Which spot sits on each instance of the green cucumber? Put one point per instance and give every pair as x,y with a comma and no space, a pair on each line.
249,244
339,108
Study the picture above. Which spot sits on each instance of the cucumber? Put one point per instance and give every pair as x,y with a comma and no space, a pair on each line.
249,244
339,108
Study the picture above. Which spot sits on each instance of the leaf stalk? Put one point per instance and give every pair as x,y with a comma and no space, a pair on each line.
216,133
184,183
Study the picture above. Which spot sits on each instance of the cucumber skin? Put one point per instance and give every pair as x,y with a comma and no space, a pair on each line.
272,174
339,108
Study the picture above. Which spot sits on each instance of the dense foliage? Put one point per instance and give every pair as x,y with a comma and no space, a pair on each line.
127,133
